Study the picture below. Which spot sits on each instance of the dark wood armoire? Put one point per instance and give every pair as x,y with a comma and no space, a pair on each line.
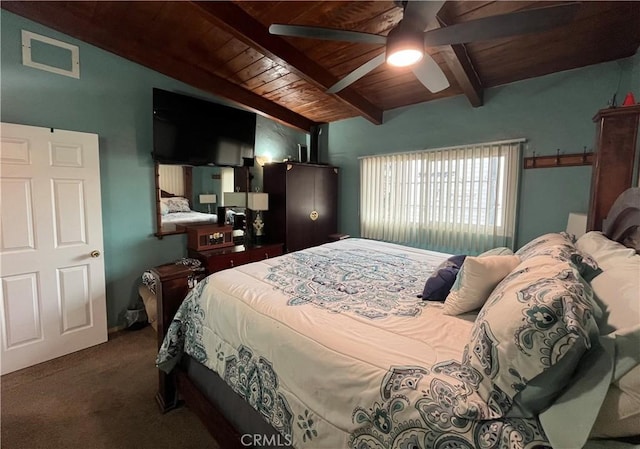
303,203
616,154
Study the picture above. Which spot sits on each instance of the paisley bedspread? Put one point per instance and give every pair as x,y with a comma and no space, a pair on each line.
332,346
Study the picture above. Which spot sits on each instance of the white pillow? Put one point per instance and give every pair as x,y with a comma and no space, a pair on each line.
500,251
476,279
618,287
606,253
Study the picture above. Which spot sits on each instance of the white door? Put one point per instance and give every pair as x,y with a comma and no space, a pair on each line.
52,285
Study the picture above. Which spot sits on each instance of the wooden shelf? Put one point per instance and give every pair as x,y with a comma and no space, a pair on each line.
559,160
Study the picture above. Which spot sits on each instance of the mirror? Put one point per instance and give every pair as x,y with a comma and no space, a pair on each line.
178,194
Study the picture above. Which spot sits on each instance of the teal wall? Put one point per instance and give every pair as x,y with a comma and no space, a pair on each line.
202,182
551,112
112,98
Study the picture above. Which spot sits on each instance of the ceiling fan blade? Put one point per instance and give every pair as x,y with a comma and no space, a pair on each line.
329,34
421,14
357,74
504,25
430,74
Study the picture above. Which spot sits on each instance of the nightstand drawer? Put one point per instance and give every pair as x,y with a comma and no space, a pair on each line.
225,261
264,252
222,259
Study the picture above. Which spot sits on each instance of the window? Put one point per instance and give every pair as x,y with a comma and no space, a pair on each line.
458,199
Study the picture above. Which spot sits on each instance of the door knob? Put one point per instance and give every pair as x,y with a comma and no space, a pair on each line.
95,253
314,215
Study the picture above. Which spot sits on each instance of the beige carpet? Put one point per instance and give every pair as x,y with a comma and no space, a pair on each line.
102,397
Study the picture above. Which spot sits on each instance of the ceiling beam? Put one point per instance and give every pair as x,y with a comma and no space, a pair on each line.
233,19
458,61
145,54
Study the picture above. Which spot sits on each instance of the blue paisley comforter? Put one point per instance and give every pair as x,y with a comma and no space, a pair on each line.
332,347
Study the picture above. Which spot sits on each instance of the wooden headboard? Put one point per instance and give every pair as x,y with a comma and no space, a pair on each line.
165,194
623,220
615,156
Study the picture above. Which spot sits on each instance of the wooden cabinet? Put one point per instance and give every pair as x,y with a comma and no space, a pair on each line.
221,259
303,203
615,155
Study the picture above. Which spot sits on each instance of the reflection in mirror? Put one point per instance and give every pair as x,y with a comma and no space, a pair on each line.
178,191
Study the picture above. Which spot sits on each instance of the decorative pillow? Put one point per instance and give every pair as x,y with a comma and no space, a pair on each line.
164,208
476,279
586,266
501,251
618,287
561,247
439,283
544,242
176,204
539,321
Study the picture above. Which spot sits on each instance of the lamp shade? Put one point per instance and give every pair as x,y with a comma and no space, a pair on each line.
258,201
235,199
208,198
577,224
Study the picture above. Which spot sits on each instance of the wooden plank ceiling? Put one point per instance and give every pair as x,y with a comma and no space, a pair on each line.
225,48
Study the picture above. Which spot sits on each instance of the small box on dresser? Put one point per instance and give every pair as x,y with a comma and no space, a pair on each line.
205,237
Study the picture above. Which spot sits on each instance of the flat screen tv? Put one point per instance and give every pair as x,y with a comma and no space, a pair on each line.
190,131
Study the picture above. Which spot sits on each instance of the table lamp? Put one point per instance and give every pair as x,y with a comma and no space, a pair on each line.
235,199
258,202
208,199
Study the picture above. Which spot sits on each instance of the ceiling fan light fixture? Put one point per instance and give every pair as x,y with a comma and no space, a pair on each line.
404,58
404,48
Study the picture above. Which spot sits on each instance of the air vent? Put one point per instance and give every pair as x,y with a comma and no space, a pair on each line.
51,55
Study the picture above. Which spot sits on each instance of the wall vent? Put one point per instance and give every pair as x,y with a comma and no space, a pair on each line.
51,55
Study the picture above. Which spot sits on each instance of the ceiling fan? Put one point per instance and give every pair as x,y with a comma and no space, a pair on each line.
405,44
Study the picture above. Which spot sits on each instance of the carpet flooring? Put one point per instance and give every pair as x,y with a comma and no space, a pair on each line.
101,397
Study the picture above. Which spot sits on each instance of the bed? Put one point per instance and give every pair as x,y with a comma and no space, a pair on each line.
176,211
330,347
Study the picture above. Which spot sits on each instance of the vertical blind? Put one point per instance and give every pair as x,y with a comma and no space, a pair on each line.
172,179
457,199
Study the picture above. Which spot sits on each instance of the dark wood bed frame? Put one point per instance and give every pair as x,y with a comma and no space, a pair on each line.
622,221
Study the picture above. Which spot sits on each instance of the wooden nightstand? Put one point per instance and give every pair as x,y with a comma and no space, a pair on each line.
173,282
234,256
336,237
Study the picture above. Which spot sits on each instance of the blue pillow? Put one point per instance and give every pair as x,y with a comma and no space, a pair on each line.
440,282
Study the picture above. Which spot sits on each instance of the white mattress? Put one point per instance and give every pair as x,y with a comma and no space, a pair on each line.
188,217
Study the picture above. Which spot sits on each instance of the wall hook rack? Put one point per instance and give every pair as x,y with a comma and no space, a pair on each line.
559,160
